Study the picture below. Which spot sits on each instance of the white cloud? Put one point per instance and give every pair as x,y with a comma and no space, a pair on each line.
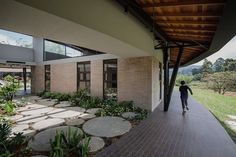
228,51
6,40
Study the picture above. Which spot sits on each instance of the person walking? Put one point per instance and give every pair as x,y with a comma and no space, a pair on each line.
184,95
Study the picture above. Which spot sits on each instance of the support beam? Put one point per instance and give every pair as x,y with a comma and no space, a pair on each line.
166,76
24,78
174,74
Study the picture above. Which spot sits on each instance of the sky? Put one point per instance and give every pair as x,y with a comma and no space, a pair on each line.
228,51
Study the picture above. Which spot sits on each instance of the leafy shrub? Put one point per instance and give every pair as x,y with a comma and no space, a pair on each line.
9,90
69,144
8,107
78,98
10,145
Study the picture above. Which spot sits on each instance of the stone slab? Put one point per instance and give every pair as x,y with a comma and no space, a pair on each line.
31,119
28,133
229,122
78,109
47,102
93,110
87,116
63,105
129,115
37,111
15,117
19,128
65,114
47,123
232,117
96,144
41,141
74,122
107,126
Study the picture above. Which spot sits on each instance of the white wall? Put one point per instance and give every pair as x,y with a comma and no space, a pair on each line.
14,53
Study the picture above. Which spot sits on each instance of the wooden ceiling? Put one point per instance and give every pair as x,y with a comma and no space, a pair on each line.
185,21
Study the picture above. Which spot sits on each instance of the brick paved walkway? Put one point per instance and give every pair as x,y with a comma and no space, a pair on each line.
197,134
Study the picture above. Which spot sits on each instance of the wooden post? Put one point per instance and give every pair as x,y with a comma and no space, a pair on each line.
166,77
174,74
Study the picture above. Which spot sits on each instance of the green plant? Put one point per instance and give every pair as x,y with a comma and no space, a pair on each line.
56,146
79,97
70,143
9,145
9,90
8,107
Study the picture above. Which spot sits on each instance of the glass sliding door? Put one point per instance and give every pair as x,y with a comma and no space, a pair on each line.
110,79
47,77
83,75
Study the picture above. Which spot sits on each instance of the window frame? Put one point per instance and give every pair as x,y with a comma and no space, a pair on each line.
46,71
84,75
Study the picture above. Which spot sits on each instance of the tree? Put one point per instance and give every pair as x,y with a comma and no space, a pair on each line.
206,68
187,79
221,81
218,65
196,71
229,65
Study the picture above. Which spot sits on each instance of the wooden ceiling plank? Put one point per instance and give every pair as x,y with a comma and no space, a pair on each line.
192,22
185,14
185,3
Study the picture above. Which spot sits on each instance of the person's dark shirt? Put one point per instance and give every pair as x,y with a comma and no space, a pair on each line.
184,90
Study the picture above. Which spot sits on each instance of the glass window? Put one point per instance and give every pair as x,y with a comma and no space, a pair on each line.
15,39
110,79
53,47
83,73
47,77
70,52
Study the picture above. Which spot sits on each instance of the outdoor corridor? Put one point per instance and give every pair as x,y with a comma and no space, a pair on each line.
170,134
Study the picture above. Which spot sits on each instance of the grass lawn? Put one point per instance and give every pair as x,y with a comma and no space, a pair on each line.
219,105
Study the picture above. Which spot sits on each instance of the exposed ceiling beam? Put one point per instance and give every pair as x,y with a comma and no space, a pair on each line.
190,33
137,11
210,29
190,22
185,3
187,14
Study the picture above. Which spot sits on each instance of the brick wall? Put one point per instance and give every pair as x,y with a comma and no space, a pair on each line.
37,80
97,78
134,81
64,77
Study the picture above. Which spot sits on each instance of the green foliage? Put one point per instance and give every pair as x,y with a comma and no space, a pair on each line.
7,107
9,145
206,68
9,90
58,96
222,81
68,144
187,79
218,65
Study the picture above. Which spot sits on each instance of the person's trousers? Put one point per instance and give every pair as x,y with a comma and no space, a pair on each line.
184,101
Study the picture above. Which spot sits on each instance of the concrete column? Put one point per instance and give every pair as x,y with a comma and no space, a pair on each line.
96,87
24,78
38,49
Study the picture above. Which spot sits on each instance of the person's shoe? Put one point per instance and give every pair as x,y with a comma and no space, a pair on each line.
183,112
187,108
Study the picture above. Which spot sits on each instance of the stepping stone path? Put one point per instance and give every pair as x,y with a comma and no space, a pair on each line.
107,126
87,116
41,141
19,128
39,111
96,144
28,133
46,102
231,122
129,115
16,117
63,104
78,109
74,122
31,119
93,110
65,114
47,123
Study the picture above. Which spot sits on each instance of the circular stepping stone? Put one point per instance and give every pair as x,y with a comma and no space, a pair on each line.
129,115
87,116
28,133
107,126
74,122
19,128
78,109
93,110
37,111
31,119
65,114
47,123
41,141
95,144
